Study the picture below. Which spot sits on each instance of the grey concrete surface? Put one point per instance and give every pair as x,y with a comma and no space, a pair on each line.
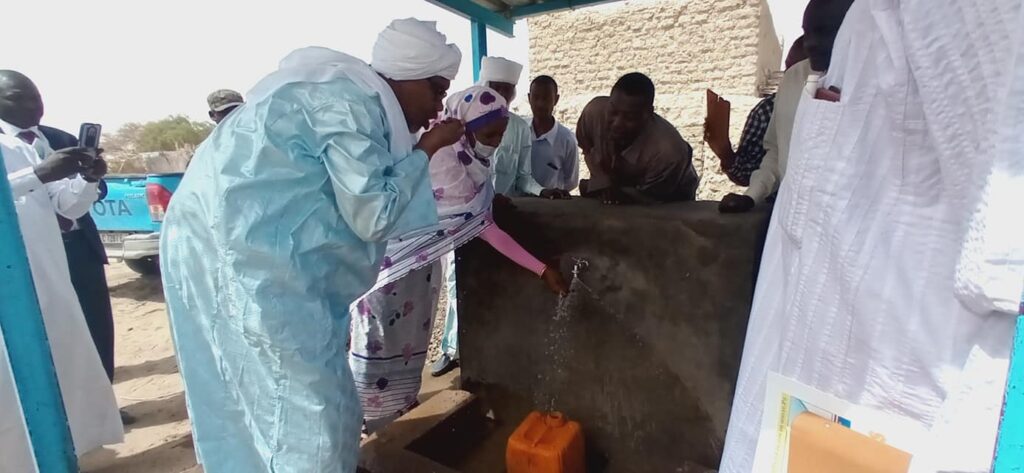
645,351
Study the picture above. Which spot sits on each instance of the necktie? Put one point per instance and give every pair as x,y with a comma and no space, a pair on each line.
65,224
27,136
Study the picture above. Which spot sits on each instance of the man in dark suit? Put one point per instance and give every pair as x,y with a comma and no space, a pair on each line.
21,109
86,258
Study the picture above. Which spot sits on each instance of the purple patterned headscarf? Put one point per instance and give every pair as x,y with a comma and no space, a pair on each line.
462,180
463,190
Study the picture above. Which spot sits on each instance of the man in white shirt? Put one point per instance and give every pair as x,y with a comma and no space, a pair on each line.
764,182
555,158
43,189
513,175
21,110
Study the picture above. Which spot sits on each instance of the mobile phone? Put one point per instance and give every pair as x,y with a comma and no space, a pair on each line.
831,94
89,135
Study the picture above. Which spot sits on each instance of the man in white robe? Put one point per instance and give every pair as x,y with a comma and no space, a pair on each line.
890,281
512,165
42,189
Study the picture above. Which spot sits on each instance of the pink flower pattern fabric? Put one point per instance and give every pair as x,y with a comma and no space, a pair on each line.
389,344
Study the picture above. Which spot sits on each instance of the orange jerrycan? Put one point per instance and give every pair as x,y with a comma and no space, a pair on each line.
546,443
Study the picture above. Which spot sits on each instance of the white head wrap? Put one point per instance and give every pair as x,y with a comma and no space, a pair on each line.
407,50
499,69
411,49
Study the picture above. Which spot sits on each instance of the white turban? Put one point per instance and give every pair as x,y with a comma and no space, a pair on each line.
411,49
499,69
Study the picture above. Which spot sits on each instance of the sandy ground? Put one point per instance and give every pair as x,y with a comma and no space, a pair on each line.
146,382
148,385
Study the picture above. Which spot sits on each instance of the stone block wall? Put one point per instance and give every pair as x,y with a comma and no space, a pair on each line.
685,46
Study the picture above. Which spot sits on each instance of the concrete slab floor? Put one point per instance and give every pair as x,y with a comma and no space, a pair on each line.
421,439
431,385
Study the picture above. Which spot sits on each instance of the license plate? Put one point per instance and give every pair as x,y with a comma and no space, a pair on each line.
112,238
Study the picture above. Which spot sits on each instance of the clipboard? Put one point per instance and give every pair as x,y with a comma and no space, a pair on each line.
716,122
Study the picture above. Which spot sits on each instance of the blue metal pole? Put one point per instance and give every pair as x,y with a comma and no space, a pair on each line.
28,350
1010,446
479,46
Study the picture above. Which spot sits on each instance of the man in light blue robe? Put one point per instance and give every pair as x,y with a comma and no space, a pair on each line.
279,224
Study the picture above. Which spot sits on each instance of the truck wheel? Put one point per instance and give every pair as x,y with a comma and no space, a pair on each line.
147,266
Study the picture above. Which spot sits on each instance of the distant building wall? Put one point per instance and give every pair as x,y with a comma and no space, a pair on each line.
685,46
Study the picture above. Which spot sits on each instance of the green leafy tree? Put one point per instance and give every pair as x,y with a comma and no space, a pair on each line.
125,139
169,134
172,133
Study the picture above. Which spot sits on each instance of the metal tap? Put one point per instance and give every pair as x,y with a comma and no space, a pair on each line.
578,266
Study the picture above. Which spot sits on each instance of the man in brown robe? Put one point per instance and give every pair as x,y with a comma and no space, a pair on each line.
634,155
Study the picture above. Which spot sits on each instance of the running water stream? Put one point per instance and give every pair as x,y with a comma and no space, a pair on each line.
557,346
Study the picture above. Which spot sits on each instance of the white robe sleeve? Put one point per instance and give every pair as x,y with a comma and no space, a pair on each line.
525,182
73,197
19,161
23,181
379,195
765,180
572,163
978,115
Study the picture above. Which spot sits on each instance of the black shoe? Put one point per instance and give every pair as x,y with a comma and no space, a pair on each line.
126,418
443,366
